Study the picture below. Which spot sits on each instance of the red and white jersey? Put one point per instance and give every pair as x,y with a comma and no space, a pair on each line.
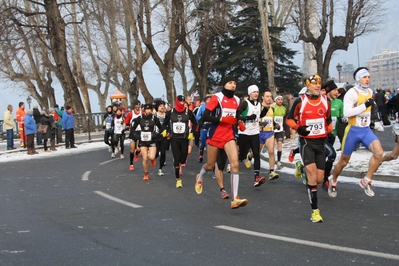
314,115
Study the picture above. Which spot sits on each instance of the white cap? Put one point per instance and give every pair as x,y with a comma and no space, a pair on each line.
252,88
278,96
303,91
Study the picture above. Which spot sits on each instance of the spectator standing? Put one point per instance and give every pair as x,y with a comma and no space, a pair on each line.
20,116
58,123
45,120
68,125
31,130
9,126
37,116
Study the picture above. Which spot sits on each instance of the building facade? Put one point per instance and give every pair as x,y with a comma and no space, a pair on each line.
384,70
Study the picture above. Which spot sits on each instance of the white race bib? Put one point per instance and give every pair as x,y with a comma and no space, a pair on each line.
118,128
145,136
279,120
107,125
363,120
315,126
179,128
228,112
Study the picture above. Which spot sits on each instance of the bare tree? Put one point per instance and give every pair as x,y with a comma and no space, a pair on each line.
177,33
359,17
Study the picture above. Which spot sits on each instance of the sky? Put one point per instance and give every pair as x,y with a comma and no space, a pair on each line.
362,158
365,46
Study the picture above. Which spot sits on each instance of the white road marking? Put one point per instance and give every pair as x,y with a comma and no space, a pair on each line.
25,231
108,161
85,176
129,204
311,243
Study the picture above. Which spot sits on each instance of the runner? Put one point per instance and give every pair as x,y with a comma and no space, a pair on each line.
203,128
133,135
312,111
147,144
280,113
107,121
118,133
178,121
162,143
357,107
266,135
222,111
248,136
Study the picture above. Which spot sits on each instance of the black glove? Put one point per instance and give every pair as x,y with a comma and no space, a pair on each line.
369,102
302,131
251,117
330,136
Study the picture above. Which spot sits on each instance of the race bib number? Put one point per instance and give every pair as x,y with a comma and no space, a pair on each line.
279,121
363,120
267,123
228,112
315,126
118,128
145,136
179,128
334,121
107,125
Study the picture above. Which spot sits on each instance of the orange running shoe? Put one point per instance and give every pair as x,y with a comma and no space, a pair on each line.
131,167
146,177
153,163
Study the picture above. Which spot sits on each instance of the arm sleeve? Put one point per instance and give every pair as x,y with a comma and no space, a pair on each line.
207,117
243,106
350,98
135,124
193,121
294,113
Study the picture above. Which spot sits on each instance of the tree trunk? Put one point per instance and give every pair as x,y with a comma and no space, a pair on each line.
56,31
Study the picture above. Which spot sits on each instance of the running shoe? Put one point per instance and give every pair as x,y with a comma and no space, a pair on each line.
153,163
249,156
213,175
146,177
160,173
131,167
273,176
201,159
198,185
122,156
237,202
110,149
325,185
259,180
291,156
279,165
367,187
224,194
264,149
298,167
112,155
228,168
136,156
183,165
179,183
316,217
332,190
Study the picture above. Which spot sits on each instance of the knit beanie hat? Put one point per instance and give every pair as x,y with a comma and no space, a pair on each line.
329,86
252,88
227,79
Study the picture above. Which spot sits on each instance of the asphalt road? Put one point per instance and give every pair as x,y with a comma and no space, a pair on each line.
87,209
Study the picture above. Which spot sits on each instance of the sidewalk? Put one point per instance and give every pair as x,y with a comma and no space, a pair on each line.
357,167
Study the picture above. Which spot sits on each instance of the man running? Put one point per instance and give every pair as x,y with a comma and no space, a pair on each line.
310,117
222,112
162,143
249,113
266,135
357,107
280,113
133,134
178,120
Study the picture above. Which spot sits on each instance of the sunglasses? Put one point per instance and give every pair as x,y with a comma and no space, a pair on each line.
315,79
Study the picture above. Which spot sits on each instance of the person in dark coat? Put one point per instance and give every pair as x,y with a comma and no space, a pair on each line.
45,120
37,116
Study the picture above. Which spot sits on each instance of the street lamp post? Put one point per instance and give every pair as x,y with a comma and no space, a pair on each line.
29,101
171,76
339,69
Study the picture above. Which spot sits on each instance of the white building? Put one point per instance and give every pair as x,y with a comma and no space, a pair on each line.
384,70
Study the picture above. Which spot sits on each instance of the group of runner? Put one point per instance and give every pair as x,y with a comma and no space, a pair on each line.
236,131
